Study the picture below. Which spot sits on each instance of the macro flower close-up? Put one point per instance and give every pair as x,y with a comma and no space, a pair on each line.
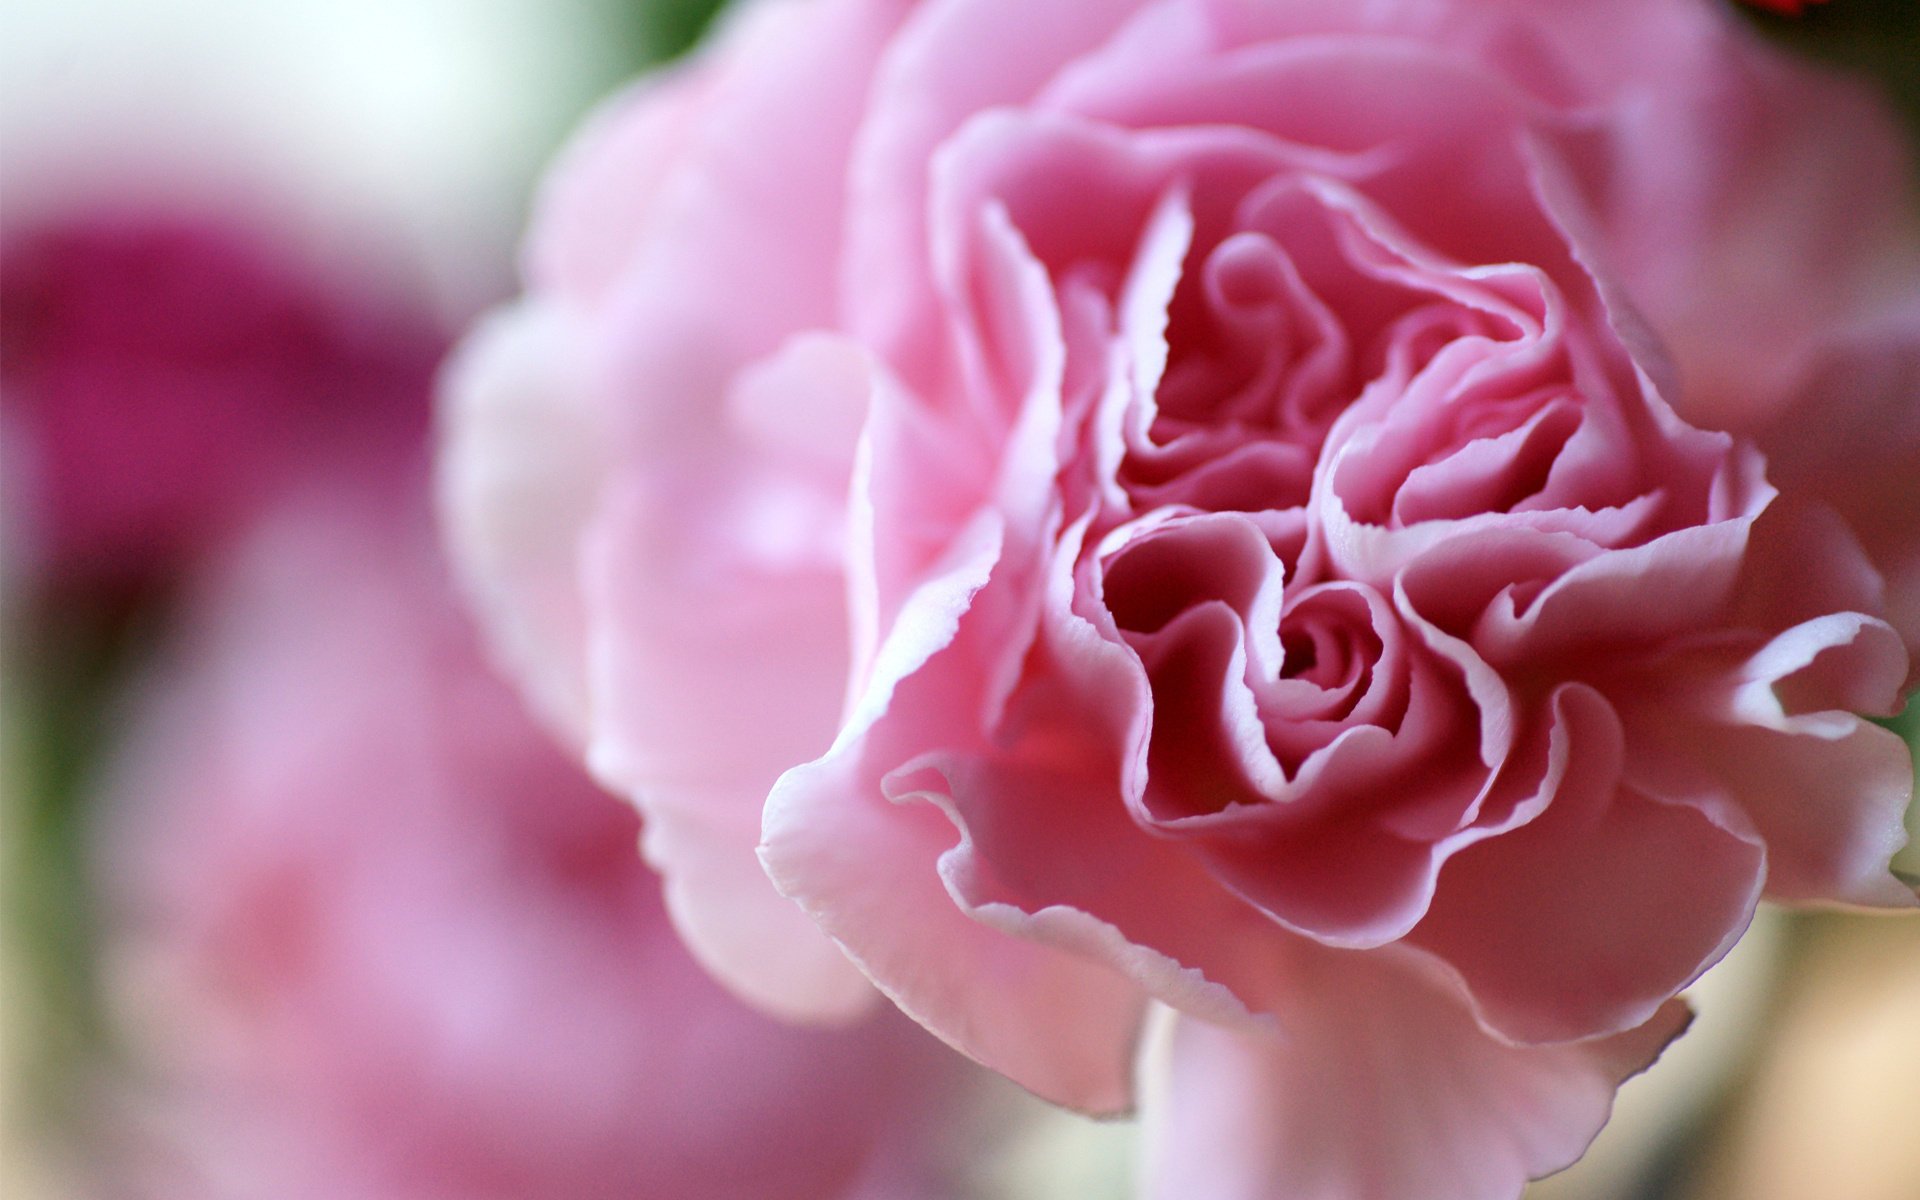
1313,582
1236,506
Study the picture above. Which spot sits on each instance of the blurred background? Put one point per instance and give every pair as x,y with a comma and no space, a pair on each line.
242,724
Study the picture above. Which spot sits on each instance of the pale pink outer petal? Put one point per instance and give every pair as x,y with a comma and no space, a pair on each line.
592,212
1378,1086
523,426
743,235
718,659
520,473
1061,1024
1756,215
1750,207
523,501
1827,796
689,236
859,846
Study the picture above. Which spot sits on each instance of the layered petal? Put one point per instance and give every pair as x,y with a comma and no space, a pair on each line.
1583,921
1826,791
1862,387
1189,502
1441,1111
851,838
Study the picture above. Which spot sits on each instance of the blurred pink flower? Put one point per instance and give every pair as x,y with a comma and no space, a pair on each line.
1258,506
165,368
371,936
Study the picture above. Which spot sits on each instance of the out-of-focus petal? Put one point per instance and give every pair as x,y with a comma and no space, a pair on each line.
1444,1111
520,473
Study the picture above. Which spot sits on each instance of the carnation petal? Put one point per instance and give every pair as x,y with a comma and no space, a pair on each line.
924,90
743,233
1829,807
1698,207
718,658
591,214
1860,388
1582,921
874,855
520,471
1378,1086
749,937
869,871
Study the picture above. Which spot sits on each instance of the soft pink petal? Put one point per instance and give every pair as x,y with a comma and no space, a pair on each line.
1803,562
1826,791
1378,1086
854,841
1605,600
927,86
1702,206
753,940
713,591
808,403
1050,850
708,679
742,237
1843,661
1393,111
520,472
1051,780
1583,921
719,657
1321,855
1828,804
591,213
870,871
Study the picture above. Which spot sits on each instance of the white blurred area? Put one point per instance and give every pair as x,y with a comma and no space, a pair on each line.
407,128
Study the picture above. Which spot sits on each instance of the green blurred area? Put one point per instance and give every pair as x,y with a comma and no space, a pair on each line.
670,27
63,665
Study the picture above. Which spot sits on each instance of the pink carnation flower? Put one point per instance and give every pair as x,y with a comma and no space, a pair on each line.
372,936
1366,524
